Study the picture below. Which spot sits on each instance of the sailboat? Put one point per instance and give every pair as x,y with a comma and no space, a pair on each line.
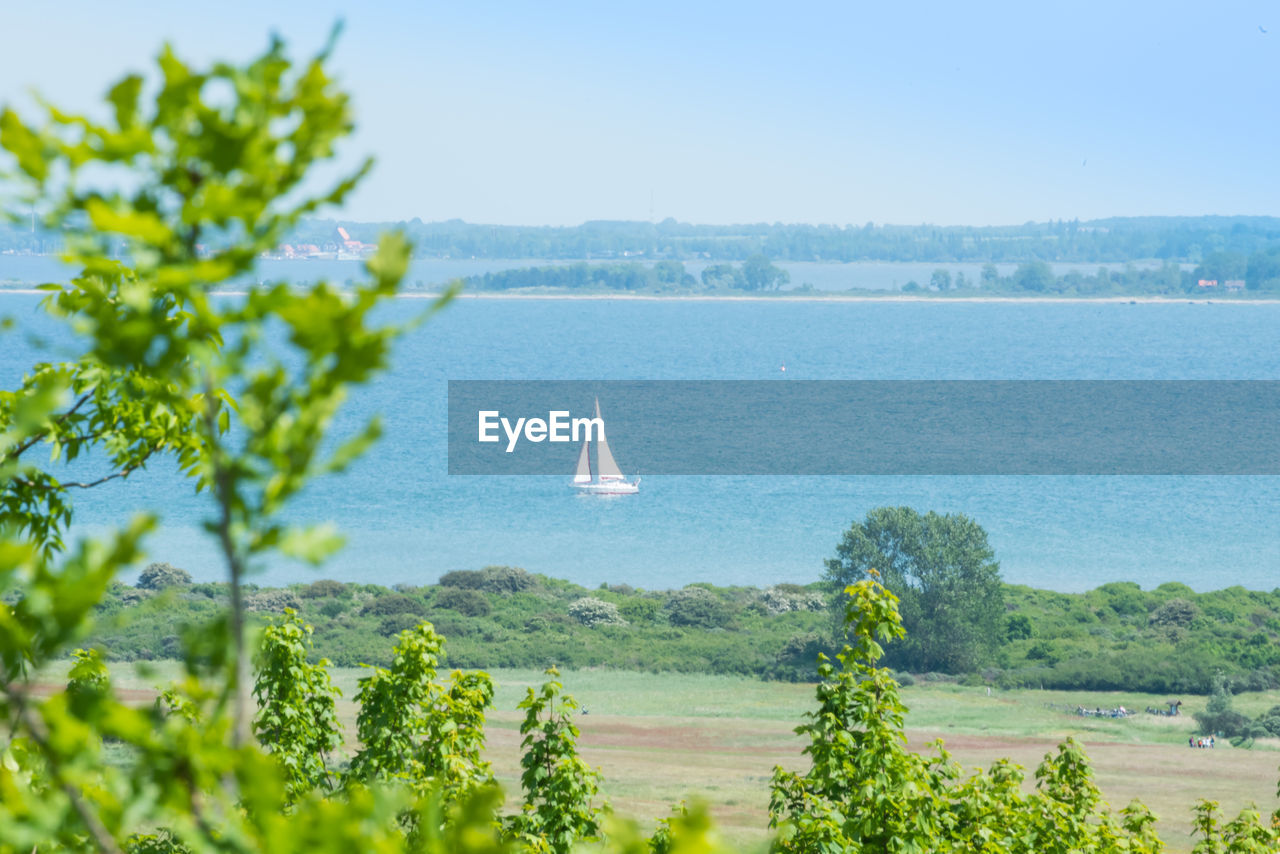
607,479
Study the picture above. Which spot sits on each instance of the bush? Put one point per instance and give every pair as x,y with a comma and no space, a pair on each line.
638,610
272,601
506,579
470,603
397,623
395,603
158,576
1218,718
797,660
1271,722
1018,627
783,600
332,608
325,588
493,579
1175,612
697,607
593,612
133,596
1042,651
467,579
1125,598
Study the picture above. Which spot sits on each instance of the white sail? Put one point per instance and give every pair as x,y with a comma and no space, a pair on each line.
607,466
583,472
608,478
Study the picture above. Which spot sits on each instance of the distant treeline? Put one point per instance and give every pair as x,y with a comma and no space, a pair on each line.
1117,637
1220,274
757,273
1182,239
1217,274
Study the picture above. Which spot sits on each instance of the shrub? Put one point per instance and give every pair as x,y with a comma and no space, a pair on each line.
1125,598
638,610
1218,718
272,601
395,603
1270,721
470,603
1175,612
158,576
133,596
493,579
332,608
467,579
593,612
797,659
325,588
506,579
783,600
696,607
397,623
1042,651
1018,627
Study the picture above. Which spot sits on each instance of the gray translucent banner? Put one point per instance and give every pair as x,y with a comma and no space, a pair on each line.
872,427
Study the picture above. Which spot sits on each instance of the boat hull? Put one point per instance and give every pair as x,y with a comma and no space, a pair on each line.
620,487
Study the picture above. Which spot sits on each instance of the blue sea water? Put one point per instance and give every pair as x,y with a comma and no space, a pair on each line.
408,521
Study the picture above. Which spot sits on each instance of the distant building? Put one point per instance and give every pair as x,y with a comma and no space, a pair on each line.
1208,283
1234,284
347,244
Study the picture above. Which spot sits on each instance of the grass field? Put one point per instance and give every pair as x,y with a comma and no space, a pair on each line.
661,738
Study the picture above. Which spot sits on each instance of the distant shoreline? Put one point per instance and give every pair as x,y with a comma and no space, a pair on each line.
838,297
889,297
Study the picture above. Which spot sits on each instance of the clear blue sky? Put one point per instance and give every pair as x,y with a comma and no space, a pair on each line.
560,112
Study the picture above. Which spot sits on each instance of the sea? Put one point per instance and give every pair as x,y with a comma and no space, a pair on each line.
407,520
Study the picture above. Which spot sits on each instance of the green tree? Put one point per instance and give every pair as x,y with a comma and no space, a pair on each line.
560,788
1034,276
865,791
945,574
759,274
297,720
1221,266
169,197
940,280
413,728
158,576
722,276
1263,271
1218,717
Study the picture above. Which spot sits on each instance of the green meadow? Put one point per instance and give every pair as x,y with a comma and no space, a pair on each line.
661,738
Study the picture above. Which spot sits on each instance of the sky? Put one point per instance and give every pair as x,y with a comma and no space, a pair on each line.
556,113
